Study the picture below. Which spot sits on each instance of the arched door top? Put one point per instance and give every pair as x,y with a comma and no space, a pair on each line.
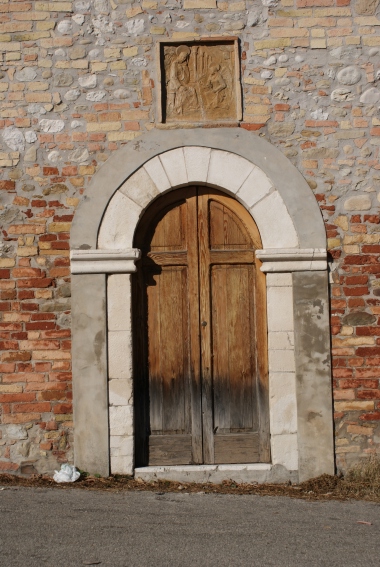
244,165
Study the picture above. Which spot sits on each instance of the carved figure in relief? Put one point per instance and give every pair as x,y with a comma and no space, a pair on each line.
199,82
181,96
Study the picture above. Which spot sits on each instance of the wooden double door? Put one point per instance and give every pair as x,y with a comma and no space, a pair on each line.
200,365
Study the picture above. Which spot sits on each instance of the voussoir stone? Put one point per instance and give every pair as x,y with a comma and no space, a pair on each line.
358,203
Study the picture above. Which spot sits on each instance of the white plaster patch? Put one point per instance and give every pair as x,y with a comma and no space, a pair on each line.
274,222
157,173
174,165
140,188
197,161
119,223
228,170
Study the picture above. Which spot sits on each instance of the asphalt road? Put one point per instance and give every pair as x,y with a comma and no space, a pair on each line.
68,528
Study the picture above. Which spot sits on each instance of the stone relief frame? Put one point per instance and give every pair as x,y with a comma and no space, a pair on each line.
217,83
294,257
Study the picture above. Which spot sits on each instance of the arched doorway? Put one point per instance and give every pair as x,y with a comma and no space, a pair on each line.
293,256
200,339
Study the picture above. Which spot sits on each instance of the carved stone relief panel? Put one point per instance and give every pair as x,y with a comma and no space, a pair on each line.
200,82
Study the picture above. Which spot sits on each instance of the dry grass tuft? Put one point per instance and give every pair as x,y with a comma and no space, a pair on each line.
362,482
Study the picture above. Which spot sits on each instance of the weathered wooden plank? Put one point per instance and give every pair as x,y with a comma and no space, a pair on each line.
205,324
220,349
231,257
242,448
195,353
170,450
166,258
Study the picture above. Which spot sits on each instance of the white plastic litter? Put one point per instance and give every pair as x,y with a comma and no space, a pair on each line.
68,473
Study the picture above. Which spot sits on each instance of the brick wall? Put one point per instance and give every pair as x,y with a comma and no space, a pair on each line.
77,80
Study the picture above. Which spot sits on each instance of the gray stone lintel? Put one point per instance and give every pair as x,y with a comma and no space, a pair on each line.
90,391
295,192
104,261
292,259
313,374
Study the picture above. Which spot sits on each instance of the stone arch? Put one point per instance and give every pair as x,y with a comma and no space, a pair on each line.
176,168
294,257
294,190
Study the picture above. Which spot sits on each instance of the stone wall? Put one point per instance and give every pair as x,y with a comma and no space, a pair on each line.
79,79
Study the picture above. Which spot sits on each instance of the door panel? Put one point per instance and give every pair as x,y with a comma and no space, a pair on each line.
200,365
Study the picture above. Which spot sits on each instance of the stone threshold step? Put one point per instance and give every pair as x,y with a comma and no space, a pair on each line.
247,473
